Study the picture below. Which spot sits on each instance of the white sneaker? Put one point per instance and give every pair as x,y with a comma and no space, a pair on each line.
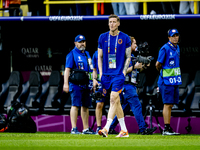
169,132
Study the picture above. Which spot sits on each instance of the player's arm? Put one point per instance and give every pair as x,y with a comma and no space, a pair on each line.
158,66
127,61
100,61
95,82
66,80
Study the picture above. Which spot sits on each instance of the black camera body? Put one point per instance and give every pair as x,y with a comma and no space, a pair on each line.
97,95
143,54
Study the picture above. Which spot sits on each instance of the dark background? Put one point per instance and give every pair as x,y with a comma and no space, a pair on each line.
36,38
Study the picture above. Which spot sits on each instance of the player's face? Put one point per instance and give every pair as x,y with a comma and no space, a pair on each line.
133,45
174,39
81,45
113,24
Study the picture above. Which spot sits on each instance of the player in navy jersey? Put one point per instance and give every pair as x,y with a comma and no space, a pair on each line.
78,58
114,53
168,64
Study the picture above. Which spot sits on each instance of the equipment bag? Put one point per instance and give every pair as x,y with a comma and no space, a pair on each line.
19,120
79,77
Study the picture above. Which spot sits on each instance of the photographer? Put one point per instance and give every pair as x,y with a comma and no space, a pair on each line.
129,94
78,63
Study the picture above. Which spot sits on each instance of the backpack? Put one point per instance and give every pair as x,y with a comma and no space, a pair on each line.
19,120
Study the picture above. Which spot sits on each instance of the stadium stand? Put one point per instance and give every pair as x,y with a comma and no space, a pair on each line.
195,103
11,90
31,91
53,103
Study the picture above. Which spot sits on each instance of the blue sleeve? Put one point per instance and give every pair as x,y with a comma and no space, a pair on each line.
94,60
161,55
128,41
99,42
69,60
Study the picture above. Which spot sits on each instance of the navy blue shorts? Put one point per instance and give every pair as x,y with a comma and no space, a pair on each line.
112,82
170,93
80,97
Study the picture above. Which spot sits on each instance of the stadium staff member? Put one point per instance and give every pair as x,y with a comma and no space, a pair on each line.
130,97
168,63
78,59
114,52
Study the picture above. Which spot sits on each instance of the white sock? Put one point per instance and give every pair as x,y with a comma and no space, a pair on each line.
122,124
108,123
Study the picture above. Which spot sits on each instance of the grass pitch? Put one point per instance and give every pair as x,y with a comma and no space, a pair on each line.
64,141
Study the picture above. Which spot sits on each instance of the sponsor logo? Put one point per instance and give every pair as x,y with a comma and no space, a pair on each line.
157,17
32,52
45,70
65,18
120,41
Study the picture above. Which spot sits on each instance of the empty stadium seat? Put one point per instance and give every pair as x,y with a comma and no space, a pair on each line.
31,91
183,90
53,103
11,90
196,98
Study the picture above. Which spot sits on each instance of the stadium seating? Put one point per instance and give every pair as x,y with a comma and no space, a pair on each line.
11,90
53,103
31,91
196,98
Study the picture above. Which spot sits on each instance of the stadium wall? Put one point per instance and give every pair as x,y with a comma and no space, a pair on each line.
42,43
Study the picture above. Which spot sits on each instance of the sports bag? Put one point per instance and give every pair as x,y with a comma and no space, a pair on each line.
79,77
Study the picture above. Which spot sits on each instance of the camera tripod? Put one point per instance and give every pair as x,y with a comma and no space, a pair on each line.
151,109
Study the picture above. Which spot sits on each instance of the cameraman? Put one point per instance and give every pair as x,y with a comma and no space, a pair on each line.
130,97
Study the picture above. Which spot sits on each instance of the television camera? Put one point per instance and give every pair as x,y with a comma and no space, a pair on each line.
142,56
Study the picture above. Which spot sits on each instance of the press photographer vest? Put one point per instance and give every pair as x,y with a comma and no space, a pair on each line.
171,72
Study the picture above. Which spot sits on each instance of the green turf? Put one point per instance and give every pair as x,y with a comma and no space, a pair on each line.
64,141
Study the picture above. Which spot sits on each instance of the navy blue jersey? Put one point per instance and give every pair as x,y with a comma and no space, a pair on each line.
121,44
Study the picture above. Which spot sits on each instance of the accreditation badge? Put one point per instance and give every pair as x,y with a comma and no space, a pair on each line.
112,61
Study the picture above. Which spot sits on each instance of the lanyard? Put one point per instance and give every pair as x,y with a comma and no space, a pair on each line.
115,42
173,47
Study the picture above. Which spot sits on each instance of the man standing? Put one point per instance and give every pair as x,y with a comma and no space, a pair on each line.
78,58
130,97
114,52
168,63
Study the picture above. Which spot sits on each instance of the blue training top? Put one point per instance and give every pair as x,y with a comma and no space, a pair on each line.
95,61
169,57
122,43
